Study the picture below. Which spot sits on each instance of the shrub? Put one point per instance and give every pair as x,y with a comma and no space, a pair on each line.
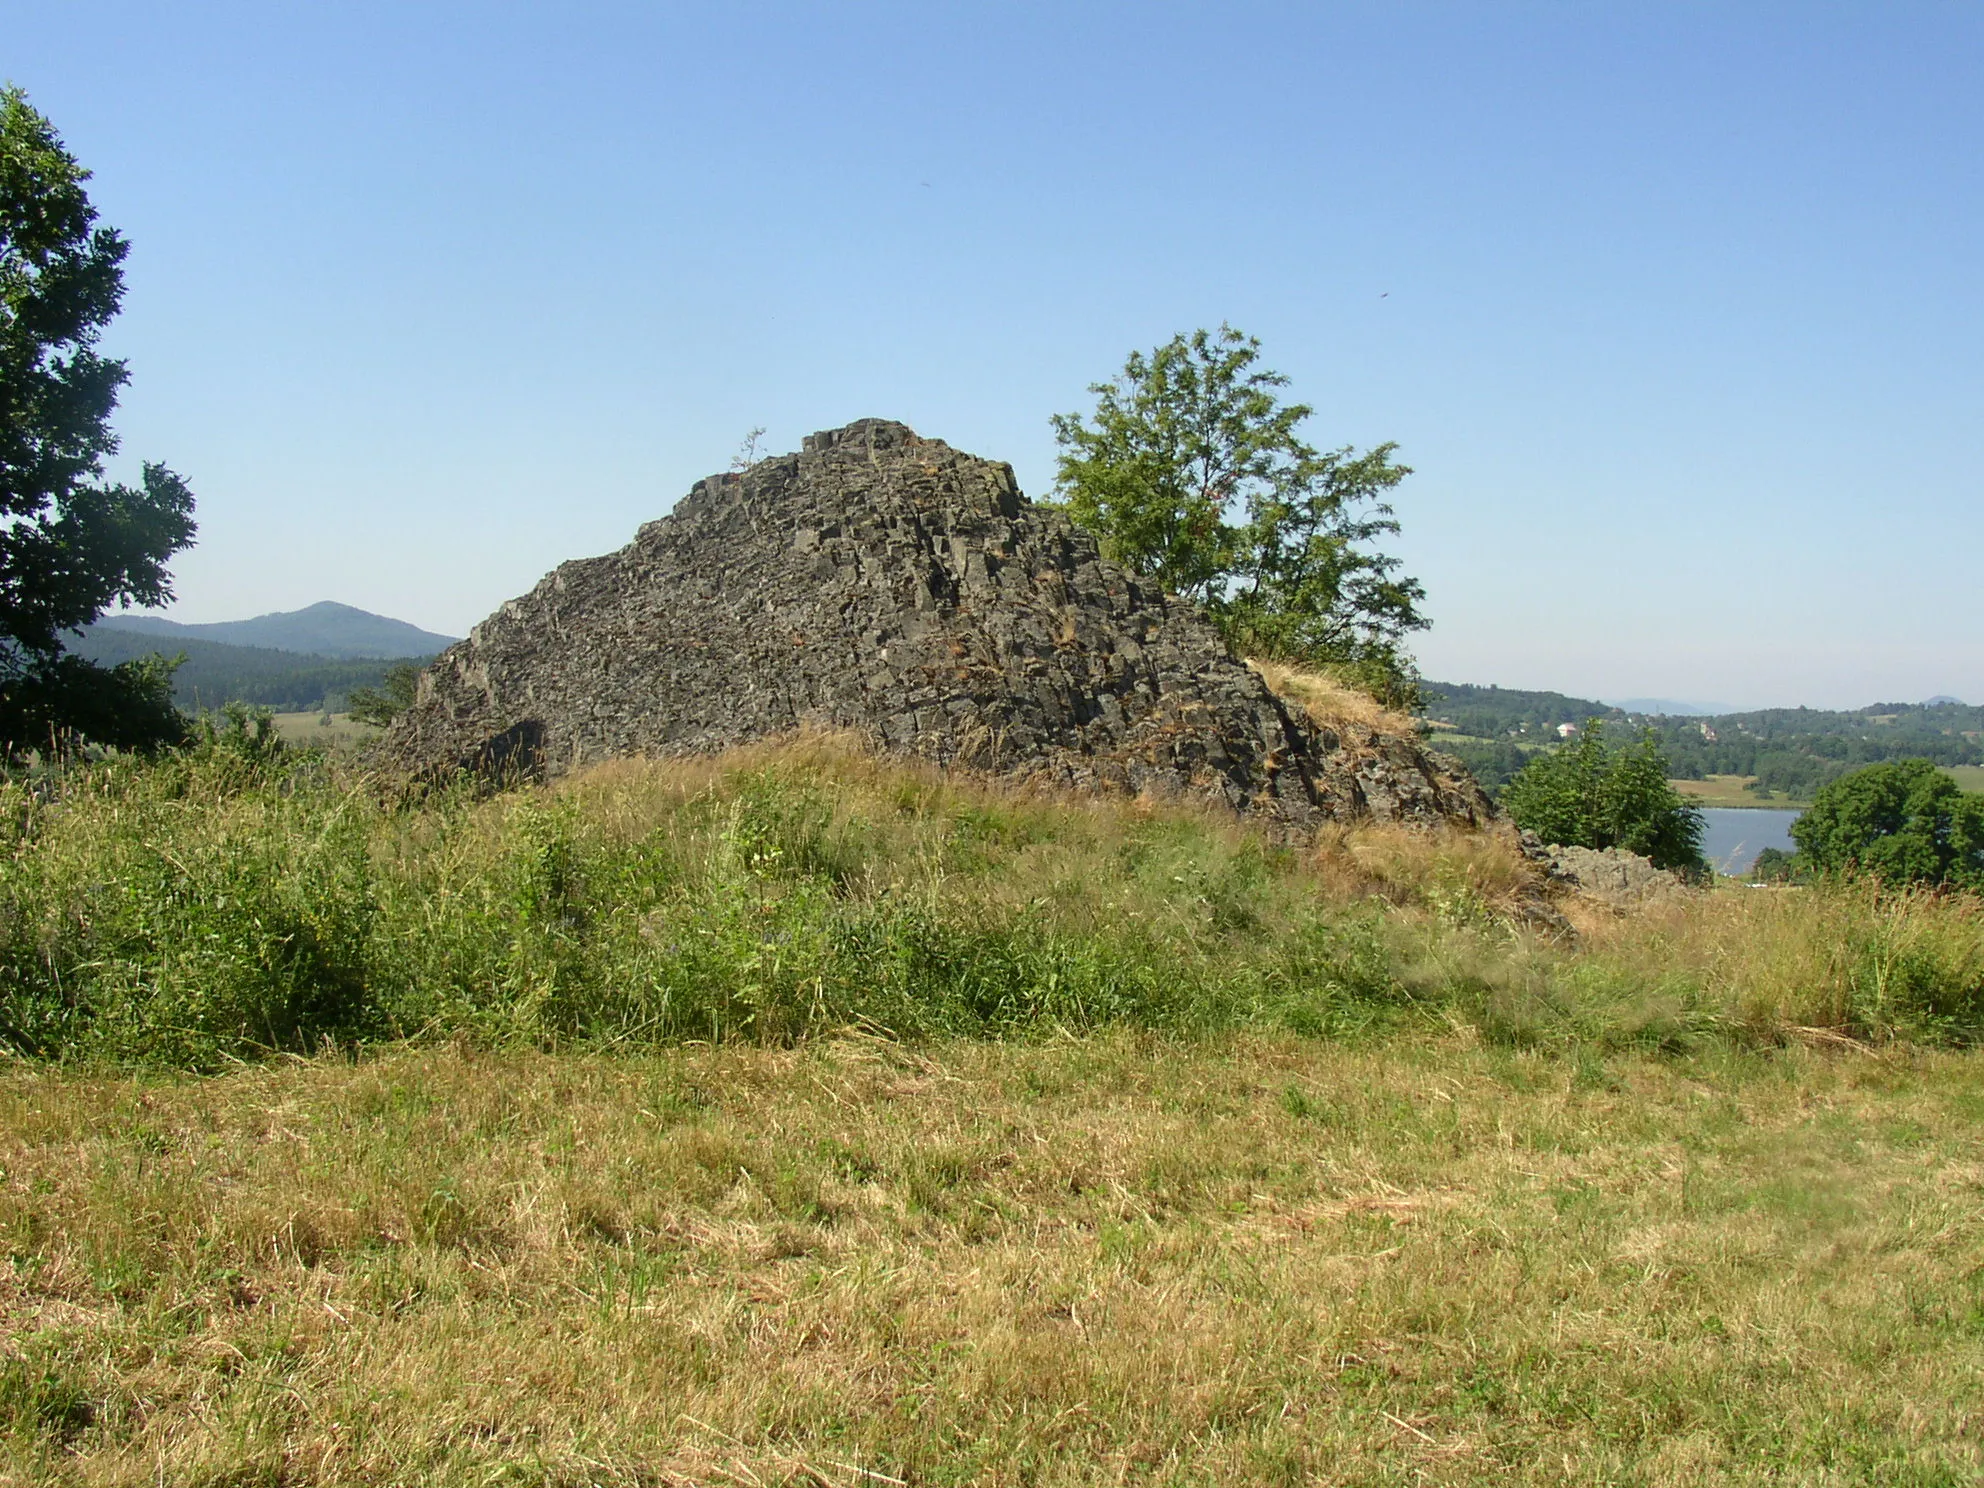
1589,795
1903,822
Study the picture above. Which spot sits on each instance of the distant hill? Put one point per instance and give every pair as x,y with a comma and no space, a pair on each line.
1791,751
323,630
215,673
1507,712
1494,730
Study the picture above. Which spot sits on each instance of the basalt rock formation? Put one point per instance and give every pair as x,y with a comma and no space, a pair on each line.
890,585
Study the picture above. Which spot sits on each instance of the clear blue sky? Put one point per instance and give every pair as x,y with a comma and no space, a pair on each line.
1674,308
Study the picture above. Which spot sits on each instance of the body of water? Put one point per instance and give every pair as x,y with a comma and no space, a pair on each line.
1736,835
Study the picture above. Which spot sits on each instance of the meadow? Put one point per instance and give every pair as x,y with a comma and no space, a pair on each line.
802,1117
1732,791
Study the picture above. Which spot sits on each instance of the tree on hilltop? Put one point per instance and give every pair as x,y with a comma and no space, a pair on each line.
1193,472
71,546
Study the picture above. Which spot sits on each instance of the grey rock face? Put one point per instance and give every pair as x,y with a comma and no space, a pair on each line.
1621,879
892,586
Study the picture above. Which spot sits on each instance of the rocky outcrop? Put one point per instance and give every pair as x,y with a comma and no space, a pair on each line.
1614,877
890,585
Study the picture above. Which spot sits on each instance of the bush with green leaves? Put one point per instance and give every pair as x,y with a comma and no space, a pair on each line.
1775,865
1902,822
1589,794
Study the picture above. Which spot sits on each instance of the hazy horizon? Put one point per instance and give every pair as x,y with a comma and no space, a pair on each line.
1674,311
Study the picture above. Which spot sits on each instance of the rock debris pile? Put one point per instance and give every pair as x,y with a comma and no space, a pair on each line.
890,585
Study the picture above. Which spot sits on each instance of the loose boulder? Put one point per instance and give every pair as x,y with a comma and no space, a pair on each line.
1613,876
888,585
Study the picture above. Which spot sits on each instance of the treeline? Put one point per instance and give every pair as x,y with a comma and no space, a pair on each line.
1495,730
1500,712
214,673
1790,750
1799,750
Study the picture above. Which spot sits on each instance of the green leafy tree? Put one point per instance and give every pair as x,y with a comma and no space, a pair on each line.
381,705
71,546
1193,472
1904,822
1591,795
1775,865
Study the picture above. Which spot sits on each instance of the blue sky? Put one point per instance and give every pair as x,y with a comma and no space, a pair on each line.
1674,308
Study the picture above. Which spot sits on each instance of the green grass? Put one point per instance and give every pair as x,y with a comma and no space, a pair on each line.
1970,777
243,900
1733,791
1096,1260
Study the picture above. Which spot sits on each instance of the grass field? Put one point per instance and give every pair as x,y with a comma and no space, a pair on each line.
1104,1260
802,1117
1730,790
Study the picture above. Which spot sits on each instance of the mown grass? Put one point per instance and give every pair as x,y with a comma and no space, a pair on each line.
1111,1259
242,900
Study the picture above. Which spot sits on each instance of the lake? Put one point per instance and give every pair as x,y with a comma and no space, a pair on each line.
1736,835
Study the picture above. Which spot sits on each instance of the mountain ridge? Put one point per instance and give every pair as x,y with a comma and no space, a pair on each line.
340,632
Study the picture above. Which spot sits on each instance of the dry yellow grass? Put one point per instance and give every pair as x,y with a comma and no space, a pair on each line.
1777,959
1443,869
1329,702
1103,1261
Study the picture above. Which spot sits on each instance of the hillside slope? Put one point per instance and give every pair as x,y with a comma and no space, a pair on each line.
214,673
329,629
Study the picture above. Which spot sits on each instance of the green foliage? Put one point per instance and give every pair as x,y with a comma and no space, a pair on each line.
1775,865
70,546
1790,752
70,698
1194,473
1795,751
1589,795
1493,762
1509,712
382,704
1903,822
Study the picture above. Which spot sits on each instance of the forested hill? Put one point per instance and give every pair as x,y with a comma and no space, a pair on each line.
1792,750
215,673
1797,750
326,629
1501,712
